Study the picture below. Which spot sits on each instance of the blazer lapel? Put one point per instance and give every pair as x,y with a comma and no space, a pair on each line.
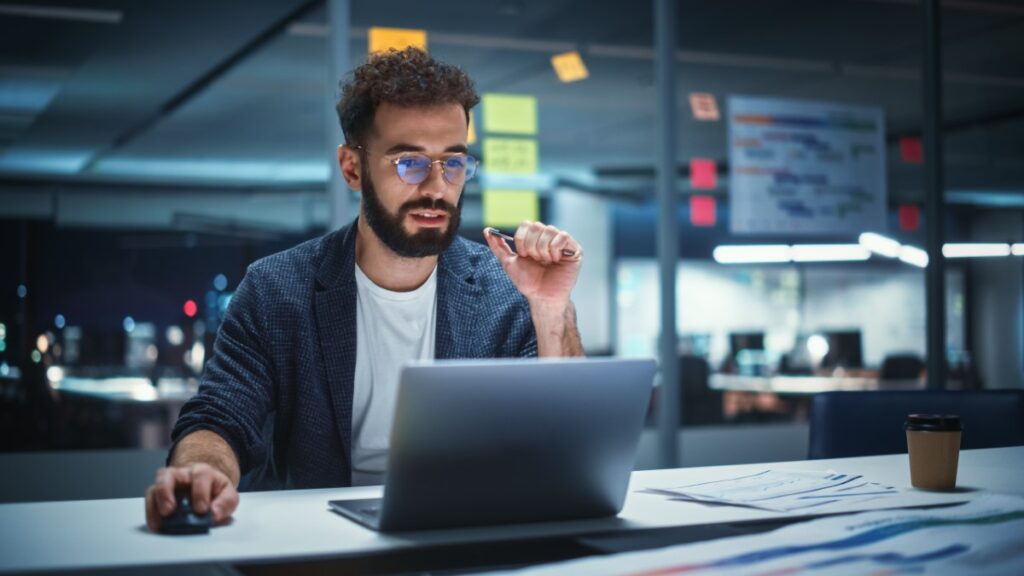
335,304
458,300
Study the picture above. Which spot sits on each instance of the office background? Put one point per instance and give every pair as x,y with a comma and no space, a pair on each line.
150,151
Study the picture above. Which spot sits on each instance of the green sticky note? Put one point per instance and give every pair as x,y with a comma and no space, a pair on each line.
510,113
510,155
508,208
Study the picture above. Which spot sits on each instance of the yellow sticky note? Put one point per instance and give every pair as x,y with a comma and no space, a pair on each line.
510,155
471,137
510,113
381,39
569,66
508,208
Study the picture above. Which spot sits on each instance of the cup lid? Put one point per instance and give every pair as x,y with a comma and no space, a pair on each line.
933,422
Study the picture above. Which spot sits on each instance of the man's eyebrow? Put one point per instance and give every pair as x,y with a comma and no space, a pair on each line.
399,148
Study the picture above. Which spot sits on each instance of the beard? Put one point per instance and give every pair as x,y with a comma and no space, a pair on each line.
388,227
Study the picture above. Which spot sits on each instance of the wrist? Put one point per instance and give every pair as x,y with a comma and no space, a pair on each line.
551,313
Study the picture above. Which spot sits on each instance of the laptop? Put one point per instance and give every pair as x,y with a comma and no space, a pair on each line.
484,442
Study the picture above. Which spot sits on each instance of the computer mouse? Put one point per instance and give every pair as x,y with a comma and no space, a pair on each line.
184,520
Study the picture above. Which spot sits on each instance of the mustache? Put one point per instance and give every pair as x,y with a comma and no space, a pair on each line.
427,204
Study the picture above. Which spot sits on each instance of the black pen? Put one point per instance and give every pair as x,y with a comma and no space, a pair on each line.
499,234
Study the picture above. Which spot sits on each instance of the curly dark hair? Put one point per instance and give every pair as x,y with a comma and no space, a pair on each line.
408,77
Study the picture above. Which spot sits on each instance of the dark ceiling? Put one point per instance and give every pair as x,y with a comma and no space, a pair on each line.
121,90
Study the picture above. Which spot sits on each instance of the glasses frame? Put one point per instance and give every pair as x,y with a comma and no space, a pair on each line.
394,162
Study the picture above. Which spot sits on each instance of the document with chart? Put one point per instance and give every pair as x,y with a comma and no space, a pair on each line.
985,536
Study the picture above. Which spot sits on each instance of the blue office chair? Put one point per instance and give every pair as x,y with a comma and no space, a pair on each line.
847,424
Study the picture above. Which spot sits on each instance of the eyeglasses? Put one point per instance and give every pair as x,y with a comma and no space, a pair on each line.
415,168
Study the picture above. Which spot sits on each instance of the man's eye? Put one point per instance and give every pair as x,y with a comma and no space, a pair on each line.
455,162
410,163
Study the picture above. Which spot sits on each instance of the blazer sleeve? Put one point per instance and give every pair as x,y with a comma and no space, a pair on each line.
237,389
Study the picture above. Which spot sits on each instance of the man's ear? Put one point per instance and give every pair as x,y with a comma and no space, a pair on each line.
351,168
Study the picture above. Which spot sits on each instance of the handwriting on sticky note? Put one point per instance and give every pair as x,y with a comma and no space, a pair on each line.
510,155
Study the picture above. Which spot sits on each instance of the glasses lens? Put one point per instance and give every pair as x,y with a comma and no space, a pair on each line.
459,168
413,169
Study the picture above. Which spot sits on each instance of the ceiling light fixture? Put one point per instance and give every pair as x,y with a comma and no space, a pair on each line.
61,13
979,250
881,245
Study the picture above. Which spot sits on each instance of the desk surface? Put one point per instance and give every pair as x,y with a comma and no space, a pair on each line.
298,525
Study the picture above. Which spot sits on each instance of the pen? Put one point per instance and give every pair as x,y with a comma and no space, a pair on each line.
499,234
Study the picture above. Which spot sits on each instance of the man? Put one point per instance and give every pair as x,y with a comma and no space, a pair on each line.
315,336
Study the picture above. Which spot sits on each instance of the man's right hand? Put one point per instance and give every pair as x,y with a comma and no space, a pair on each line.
209,490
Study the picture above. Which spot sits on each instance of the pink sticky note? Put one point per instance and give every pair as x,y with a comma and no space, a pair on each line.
910,217
703,174
911,151
702,211
703,106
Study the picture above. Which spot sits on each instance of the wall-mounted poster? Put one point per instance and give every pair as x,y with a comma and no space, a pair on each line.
805,167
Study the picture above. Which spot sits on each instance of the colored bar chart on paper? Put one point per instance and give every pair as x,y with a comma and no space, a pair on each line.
805,167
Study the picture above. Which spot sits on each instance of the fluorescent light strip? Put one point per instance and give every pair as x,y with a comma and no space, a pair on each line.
914,256
781,253
1017,249
829,253
881,245
61,13
756,254
975,250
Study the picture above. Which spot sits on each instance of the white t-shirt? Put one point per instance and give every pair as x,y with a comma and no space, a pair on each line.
392,328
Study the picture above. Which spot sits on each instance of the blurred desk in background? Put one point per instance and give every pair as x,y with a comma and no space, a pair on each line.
787,397
116,412
806,385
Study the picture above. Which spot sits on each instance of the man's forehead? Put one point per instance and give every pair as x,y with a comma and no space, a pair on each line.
401,123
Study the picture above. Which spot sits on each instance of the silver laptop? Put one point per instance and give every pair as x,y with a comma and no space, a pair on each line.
478,442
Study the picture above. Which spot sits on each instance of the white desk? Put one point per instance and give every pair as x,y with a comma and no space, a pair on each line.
297,525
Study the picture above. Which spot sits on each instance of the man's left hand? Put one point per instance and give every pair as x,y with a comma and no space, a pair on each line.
538,266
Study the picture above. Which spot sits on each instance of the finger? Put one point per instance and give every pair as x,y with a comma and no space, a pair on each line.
152,516
163,491
558,243
202,481
499,246
520,238
547,235
225,499
568,248
532,232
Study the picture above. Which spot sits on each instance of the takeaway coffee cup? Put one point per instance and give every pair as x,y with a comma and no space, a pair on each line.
933,442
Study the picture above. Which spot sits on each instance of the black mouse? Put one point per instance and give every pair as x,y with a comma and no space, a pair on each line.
184,520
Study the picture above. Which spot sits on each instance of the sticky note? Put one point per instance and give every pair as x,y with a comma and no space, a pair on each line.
910,217
510,155
508,208
471,137
569,66
911,151
704,106
702,211
703,174
381,39
510,113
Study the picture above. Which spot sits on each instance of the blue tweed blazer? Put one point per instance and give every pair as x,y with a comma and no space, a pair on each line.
278,386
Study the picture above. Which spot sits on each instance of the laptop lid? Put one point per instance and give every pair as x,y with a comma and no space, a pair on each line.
478,442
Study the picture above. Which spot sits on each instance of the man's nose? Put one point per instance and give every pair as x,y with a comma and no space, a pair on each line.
435,186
